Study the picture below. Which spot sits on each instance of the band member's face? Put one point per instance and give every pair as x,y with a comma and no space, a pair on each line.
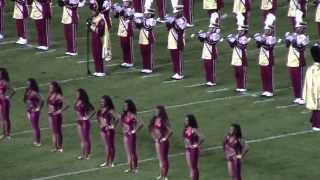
125,107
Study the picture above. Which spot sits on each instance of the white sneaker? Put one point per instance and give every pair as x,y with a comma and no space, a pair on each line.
267,94
177,77
22,41
60,150
315,129
37,144
190,25
241,90
43,48
1,36
129,65
124,64
301,101
147,71
103,164
99,74
71,54
108,58
210,84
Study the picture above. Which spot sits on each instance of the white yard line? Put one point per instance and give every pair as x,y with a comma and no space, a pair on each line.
286,106
194,85
150,76
264,101
45,52
170,81
213,148
7,42
218,90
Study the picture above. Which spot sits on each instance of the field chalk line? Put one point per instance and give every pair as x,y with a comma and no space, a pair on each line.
213,148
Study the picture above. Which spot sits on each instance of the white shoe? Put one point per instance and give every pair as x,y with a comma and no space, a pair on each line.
160,20
60,150
71,54
315,129
43,48
37,144
159,177
210,84
177,77
108,58
124,64
147,71
103,164
1,36
190,25
241,90
267,94
99,74
22,41
129,65
299,101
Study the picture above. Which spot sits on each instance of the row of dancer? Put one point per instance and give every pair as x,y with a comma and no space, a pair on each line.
108,119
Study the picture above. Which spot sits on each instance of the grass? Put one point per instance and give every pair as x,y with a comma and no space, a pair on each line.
291,158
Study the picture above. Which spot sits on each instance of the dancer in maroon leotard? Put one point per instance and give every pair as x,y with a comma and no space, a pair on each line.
34,103
56,106
6,92
84,112
130,126
234,149
108,119
160,131
192,139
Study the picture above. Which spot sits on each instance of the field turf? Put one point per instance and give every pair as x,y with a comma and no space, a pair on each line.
291,156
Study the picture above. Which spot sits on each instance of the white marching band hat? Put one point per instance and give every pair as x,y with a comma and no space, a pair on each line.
269,23
178,8
214,20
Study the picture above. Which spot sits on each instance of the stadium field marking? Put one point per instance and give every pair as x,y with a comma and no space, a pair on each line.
7,42
150,76
213,148
62,57
264,101
170,81
194,85
287,106
218,90
84,61
44,52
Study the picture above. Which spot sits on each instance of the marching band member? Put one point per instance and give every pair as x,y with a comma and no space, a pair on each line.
161,5
294,7
84,112
108,119
297,42
20,14
56,106
70,20
193,139
6,93
161,132
125,31
130,126
317,18
311,89
34,104
210,51
2,5
239,61
176,40
99,38
41,14
242,7
235,149
188,11
268,6
213,6
266,42
138,5
145,22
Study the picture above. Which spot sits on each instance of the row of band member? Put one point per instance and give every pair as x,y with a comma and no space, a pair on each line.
108,119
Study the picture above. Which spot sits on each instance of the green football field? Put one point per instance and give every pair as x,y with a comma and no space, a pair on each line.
281,145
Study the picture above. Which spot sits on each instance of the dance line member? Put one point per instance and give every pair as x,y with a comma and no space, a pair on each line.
6,93
84,112
193,139
161,132
56,106
108,119
311,89
235,149
34,103
130,126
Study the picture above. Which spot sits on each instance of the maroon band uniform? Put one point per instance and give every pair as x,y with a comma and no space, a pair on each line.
294,7
70,20
188,10
20,14
138,5
41,14
243,7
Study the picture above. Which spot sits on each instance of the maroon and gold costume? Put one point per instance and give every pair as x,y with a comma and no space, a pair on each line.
268,6
106,122
83,126
138,5
192,153
233,148
33,102
70,20
55,105
242,7
5,108
129,123
294,7
41,14
188,10
20,14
